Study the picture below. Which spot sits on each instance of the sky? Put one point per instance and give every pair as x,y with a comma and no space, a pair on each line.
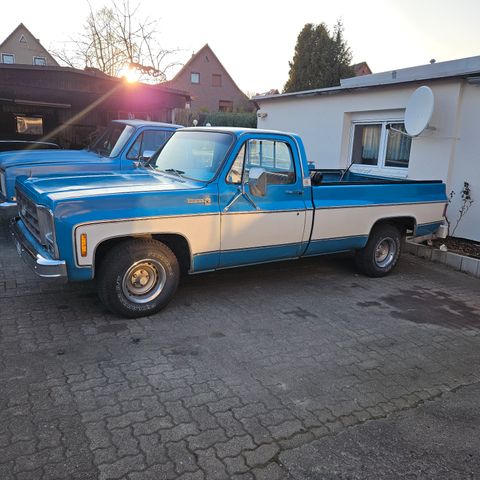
255,39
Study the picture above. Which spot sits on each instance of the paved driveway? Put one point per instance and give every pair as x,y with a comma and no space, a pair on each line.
286,370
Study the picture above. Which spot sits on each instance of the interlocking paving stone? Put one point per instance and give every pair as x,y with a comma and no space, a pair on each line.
243,368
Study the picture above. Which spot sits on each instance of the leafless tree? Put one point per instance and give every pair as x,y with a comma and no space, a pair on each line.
117,36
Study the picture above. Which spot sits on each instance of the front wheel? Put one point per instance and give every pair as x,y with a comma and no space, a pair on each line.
138,277
382,251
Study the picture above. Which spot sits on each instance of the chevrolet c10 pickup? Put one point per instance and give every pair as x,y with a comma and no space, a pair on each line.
122,146
213,198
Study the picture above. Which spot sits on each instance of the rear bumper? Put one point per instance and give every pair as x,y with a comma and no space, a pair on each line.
34,255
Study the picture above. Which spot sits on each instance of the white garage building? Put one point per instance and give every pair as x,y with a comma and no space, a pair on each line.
350,124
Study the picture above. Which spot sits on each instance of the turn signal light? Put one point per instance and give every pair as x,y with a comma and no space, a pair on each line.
83,244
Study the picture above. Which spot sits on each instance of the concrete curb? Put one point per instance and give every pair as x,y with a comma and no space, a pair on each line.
453,260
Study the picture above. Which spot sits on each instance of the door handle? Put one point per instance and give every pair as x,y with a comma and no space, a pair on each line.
294,192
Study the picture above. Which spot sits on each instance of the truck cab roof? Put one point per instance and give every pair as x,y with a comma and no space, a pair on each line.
147,123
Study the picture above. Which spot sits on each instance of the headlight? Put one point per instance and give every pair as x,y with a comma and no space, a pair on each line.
3,184
47,230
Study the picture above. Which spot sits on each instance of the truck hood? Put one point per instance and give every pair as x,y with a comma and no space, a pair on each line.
27,158
58,188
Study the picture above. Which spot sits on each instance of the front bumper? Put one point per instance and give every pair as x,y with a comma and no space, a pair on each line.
7,209
37,259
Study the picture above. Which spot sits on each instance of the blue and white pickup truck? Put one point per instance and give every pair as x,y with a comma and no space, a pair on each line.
213,198
122,146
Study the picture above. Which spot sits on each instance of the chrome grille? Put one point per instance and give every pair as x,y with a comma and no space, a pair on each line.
28,213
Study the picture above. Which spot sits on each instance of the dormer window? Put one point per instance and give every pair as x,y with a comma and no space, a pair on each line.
8,58
195,77
39,61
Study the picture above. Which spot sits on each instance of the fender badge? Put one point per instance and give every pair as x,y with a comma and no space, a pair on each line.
205,201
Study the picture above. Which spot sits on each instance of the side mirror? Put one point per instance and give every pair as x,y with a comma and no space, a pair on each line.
257,180
146,155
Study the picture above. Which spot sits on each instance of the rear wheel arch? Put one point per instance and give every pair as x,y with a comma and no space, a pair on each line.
404,223
382,250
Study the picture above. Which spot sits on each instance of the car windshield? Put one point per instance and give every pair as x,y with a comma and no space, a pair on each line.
112,140
193,154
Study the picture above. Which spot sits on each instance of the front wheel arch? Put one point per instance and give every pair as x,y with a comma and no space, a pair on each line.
177,243
138,277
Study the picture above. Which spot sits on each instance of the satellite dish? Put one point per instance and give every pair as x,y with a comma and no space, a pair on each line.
419,111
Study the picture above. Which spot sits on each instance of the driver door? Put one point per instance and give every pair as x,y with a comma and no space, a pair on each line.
265,228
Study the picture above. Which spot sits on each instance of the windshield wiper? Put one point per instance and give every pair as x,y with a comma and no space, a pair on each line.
178,173
104,152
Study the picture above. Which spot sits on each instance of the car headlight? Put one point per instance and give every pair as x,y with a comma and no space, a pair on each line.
3,184
46,225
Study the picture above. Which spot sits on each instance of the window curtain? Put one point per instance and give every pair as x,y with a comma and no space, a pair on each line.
398,148
371,142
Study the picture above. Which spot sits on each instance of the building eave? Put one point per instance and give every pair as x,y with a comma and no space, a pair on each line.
95,75
461,68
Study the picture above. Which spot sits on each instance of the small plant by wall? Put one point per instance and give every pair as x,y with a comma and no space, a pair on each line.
466,202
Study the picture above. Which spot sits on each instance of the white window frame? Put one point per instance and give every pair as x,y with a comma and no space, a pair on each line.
10,54
40,65
379,169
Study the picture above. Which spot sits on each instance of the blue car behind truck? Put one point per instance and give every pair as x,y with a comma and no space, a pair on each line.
123,145
213,198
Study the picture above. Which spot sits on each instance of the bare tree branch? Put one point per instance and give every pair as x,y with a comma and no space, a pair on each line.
115,37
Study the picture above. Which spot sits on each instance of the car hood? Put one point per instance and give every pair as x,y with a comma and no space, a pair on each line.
59,188
25,158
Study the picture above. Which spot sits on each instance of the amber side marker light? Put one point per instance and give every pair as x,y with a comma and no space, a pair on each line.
83,244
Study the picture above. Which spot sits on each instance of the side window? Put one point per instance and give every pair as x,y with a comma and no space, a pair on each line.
235,173
148,141
134,152
273,156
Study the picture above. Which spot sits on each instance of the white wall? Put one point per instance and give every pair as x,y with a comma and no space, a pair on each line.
466,163
450,152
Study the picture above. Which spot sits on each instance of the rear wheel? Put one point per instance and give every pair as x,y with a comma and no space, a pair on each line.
138,277
382,251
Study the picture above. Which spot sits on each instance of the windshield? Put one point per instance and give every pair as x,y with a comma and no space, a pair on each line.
193,154
112,140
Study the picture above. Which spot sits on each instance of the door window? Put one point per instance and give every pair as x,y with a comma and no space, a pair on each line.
273,156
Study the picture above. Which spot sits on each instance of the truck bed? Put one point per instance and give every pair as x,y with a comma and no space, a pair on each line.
321,177
346,210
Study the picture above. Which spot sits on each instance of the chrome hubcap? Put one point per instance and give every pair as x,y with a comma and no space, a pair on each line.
144,281
385,252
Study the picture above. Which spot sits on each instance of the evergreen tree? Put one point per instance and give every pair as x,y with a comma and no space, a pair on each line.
321,59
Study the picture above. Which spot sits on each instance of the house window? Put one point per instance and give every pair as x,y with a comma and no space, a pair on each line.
398,147
8,58
379,147
29,125
195,77
225,106
39,61
216,80
22,39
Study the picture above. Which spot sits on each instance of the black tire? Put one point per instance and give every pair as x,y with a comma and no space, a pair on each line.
138,277
382,251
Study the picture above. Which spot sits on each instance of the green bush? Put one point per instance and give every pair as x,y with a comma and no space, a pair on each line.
230,119
218,119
